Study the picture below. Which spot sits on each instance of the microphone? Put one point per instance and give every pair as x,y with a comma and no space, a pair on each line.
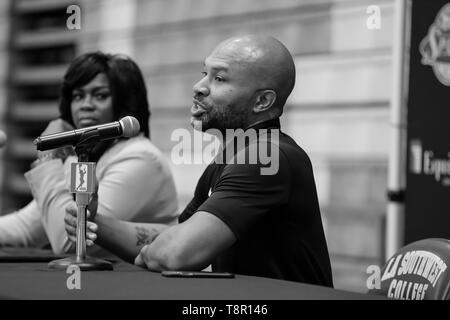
126,127
3,139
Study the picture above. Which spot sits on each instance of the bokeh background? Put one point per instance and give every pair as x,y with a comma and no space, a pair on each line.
338,112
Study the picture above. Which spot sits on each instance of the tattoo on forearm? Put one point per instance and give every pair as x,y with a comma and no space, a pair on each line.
145,236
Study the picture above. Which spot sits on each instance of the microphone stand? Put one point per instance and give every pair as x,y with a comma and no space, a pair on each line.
83,185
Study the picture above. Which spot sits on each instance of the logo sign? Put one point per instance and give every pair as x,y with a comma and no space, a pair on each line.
82,177
425,162
435,47
427,170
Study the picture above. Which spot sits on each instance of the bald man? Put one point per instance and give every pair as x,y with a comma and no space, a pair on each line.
241,219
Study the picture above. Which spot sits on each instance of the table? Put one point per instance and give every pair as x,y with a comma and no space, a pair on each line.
25,275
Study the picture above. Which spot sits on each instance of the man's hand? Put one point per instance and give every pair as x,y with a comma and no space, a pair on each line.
190,245
70,220
141,257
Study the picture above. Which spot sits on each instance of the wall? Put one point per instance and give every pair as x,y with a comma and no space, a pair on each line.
338,112
4,57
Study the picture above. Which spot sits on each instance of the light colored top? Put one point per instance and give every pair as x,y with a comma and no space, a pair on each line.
135,184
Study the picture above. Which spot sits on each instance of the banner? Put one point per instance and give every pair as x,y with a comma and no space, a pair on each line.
427,197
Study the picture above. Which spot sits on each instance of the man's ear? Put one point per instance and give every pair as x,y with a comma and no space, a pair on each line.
264,101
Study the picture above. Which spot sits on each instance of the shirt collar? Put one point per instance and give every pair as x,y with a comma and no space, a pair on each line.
265,124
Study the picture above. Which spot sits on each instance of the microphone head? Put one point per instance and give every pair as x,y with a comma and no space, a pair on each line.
130,126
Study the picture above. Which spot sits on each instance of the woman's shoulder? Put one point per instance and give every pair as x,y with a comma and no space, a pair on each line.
136,147
139,144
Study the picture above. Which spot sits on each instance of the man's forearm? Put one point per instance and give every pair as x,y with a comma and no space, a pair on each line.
125,239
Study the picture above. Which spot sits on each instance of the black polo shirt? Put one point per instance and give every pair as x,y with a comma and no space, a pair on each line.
275,218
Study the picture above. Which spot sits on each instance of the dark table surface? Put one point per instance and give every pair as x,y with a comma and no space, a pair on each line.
24,275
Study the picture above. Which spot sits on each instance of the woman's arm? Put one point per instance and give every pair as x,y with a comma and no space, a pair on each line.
49,188
50,191
23,228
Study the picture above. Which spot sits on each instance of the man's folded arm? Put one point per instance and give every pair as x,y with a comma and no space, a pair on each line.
124,238
191,245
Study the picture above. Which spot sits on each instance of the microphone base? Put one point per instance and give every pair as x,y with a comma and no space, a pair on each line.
85,264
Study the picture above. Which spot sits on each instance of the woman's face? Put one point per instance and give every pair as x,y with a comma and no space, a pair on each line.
92,103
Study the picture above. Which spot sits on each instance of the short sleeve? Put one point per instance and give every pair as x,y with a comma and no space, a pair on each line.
200,193
243,195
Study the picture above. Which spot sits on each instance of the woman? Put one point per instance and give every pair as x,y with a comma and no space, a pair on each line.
134,180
